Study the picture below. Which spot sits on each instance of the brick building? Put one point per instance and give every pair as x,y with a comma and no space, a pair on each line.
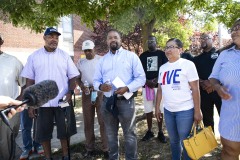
21,42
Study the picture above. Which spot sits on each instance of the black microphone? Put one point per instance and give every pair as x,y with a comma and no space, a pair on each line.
34,96
40,93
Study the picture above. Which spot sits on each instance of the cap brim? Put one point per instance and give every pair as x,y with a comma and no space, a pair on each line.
53,32
87,48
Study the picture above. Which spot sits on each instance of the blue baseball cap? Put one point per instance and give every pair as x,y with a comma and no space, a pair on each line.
50,30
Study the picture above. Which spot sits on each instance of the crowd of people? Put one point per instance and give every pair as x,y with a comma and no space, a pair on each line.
181,91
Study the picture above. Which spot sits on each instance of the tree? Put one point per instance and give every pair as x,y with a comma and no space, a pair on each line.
122,14
131,41
180,28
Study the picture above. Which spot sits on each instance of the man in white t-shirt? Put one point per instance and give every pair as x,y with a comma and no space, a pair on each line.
10,69
91,102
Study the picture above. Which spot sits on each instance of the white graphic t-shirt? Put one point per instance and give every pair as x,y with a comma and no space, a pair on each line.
174,79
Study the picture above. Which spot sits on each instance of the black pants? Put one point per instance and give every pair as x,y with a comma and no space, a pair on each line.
207,106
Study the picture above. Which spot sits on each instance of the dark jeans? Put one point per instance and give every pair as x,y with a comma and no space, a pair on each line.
126,117
207,106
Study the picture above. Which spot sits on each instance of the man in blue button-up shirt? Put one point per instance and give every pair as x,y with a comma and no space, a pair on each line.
126,65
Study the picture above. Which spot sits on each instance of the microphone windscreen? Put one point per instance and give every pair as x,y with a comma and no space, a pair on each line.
40,93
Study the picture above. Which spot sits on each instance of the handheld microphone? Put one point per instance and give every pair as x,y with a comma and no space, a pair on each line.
34,96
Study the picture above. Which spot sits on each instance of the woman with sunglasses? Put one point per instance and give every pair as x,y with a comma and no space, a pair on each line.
225,78
178,86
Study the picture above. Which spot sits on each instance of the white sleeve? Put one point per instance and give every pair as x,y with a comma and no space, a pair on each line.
192,74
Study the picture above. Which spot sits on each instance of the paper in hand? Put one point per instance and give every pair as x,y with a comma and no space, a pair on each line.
117,82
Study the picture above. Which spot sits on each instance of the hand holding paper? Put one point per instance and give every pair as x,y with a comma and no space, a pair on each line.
117,82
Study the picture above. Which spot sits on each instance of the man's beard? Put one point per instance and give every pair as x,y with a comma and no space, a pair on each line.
151,48
114,46
89,56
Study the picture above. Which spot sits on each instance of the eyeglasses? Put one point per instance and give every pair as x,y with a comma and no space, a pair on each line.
204,38
235,28
170,47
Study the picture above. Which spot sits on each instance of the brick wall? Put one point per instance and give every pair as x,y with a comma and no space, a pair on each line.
19,37
21,42
80,33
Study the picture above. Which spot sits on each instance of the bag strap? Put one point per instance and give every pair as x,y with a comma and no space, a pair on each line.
194,128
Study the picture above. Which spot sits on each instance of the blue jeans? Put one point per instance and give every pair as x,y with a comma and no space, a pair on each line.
126,117
26,127
179,125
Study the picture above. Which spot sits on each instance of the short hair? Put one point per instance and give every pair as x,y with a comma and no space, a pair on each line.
238,20
114,30
207,34
1,40
177,41
152,36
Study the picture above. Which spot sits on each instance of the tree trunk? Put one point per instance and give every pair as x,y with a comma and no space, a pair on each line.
147,29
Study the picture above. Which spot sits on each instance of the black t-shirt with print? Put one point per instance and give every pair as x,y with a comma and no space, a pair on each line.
151,62
205,62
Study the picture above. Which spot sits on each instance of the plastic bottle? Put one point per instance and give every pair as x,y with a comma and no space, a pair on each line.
108,82
93,96
86,85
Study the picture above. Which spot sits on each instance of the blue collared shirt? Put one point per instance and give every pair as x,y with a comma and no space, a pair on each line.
124,64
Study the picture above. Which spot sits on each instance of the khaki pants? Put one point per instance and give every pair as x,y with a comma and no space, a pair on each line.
88,117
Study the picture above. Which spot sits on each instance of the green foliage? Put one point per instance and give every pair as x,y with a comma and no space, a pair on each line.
122,14
211,26
174,29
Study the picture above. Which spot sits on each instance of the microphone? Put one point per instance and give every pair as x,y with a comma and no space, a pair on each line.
40,93
34,96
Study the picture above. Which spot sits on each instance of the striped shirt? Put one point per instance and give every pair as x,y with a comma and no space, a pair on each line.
227,71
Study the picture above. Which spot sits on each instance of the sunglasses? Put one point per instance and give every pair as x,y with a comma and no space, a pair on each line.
204,38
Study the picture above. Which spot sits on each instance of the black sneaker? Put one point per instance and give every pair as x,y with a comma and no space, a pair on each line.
148,136
106,154
161,137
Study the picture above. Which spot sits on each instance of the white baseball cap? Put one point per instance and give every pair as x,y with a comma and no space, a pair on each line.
88,44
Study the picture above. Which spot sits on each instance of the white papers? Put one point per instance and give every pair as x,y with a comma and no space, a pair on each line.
117,82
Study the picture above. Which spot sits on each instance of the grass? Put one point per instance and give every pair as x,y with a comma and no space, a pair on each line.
150,150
